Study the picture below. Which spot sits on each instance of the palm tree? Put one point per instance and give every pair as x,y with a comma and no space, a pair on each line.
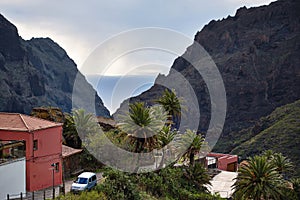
142,124
269,154
282,164
198,175
172,104
296,186
85,123
70,134
165,136
194,143
257,180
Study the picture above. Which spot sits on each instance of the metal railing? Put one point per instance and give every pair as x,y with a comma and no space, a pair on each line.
36,195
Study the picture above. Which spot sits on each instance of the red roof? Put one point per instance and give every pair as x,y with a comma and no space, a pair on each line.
219,155
68,151
21,122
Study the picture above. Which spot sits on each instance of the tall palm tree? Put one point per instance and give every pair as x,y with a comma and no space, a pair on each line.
165,136
194,143
257,180
172,104
142,124
85,123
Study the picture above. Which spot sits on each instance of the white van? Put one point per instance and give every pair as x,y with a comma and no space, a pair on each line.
85,181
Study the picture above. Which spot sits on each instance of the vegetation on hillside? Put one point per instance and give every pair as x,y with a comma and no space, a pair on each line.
279,131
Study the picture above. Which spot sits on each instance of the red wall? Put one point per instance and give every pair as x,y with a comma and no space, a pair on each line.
225,160
38,162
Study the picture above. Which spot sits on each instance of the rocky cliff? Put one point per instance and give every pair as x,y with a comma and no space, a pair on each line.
257,52
38,72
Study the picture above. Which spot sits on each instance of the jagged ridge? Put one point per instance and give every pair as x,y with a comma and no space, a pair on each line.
38,72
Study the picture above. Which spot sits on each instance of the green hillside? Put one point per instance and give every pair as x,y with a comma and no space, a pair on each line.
279,131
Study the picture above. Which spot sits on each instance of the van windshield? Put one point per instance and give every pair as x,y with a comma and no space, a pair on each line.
81,180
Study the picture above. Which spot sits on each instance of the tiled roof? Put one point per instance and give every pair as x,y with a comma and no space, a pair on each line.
21,122
68,151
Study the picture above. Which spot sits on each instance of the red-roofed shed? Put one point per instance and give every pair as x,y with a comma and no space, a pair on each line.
43,141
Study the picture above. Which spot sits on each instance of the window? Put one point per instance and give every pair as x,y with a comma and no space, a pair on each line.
94,178
35,145
57,167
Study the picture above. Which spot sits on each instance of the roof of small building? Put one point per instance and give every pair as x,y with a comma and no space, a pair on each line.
21,122
219,155
68,151
108,121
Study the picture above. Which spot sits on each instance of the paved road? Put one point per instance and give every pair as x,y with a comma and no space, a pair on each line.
222,183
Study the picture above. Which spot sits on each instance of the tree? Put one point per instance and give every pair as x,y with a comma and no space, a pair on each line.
296,186
70,134
85,124
258,179
282,164
193,142
142,124
165,136
197,174
172,104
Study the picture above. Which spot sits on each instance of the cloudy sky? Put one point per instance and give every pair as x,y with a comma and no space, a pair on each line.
81,27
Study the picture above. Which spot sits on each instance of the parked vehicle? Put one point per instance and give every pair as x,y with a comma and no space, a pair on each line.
85,181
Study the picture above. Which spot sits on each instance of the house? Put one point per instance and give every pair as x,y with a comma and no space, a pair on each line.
71,161
43,147
221,161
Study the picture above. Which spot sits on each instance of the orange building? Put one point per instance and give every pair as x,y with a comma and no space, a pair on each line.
43,144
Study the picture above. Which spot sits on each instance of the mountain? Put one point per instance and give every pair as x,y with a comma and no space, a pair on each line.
38,72
278,131
257,52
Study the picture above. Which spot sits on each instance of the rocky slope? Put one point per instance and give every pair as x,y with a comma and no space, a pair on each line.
38,72
257,53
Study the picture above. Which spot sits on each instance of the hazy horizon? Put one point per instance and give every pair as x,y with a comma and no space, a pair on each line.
113,90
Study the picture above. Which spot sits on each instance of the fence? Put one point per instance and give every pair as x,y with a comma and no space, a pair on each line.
36,195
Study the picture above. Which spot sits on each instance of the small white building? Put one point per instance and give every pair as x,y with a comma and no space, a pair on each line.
13,178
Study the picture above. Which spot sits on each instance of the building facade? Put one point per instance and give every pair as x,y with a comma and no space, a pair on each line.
43,146
221,161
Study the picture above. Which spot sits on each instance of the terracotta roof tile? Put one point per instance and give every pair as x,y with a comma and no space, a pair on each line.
21,122
68,151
